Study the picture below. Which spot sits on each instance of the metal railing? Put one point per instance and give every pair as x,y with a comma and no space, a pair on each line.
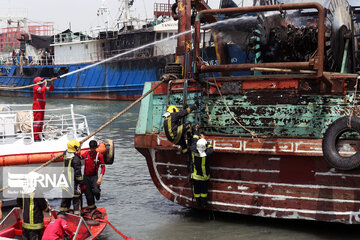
16,122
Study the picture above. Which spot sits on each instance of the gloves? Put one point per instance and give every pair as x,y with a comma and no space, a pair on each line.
193,107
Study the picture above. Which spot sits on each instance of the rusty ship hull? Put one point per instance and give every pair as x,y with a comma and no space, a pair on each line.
278,178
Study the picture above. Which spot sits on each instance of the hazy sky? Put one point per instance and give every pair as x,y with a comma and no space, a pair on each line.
82,14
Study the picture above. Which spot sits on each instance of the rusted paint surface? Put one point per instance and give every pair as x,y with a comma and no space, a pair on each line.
283,113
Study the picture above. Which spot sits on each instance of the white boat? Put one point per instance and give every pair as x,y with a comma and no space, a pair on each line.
17,145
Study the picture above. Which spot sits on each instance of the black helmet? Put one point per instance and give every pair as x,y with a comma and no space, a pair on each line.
93,144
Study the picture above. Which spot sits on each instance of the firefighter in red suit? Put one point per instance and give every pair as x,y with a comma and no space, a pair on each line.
58,229
39,105
93,160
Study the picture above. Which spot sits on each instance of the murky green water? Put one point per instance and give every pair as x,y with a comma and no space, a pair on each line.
138,210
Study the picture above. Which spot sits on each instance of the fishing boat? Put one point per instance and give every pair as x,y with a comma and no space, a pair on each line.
121,78
11,226
285,136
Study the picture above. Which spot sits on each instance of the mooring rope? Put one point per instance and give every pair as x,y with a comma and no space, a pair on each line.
99,129
353,103
113,227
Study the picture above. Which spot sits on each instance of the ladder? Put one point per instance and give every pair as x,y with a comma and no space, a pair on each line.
355,13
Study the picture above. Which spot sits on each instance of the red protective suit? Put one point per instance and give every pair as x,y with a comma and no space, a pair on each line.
39,105
92,162
55,230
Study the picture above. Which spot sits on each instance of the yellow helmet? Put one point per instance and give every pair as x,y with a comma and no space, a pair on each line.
73,146
172,109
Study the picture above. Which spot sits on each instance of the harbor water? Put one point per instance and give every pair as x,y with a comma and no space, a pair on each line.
138,210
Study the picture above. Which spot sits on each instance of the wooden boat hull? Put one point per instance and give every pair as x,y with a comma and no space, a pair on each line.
278,178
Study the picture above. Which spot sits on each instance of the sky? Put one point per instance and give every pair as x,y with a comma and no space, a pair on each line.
81,15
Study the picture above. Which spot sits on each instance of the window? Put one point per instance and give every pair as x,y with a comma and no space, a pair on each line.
165,34
158,36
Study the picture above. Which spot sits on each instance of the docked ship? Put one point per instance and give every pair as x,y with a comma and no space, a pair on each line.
285,135
121,78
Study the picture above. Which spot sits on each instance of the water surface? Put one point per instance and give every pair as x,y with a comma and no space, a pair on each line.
138,210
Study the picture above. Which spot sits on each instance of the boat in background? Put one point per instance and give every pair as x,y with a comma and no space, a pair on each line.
285,136
122,78
11,225
17,145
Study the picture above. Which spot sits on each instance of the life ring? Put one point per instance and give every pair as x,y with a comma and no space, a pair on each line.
106,147
173,11
331,137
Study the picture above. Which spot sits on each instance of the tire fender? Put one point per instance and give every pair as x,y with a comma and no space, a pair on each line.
331,137
110,151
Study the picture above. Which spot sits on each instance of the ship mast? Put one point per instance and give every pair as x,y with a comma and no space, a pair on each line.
127,14
104,11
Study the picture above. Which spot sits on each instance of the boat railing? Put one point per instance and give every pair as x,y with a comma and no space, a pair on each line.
71,37
82,228
30,60
16,122
10,221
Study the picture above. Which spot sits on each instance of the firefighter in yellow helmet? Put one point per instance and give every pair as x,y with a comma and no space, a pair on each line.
174,130
72,162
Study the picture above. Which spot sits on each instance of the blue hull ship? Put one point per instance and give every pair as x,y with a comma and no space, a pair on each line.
119,80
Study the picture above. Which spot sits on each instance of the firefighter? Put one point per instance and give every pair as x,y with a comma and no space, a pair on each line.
58,229
72,161
39,106
174,130
200,151
33,217
93,160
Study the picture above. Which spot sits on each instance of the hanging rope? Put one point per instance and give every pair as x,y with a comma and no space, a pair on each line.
253,134
353,103
98,130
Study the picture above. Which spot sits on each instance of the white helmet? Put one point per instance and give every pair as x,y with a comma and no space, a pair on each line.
201,147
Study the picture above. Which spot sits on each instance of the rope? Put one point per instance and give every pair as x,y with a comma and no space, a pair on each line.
112,226
353,103
98,130
253,134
